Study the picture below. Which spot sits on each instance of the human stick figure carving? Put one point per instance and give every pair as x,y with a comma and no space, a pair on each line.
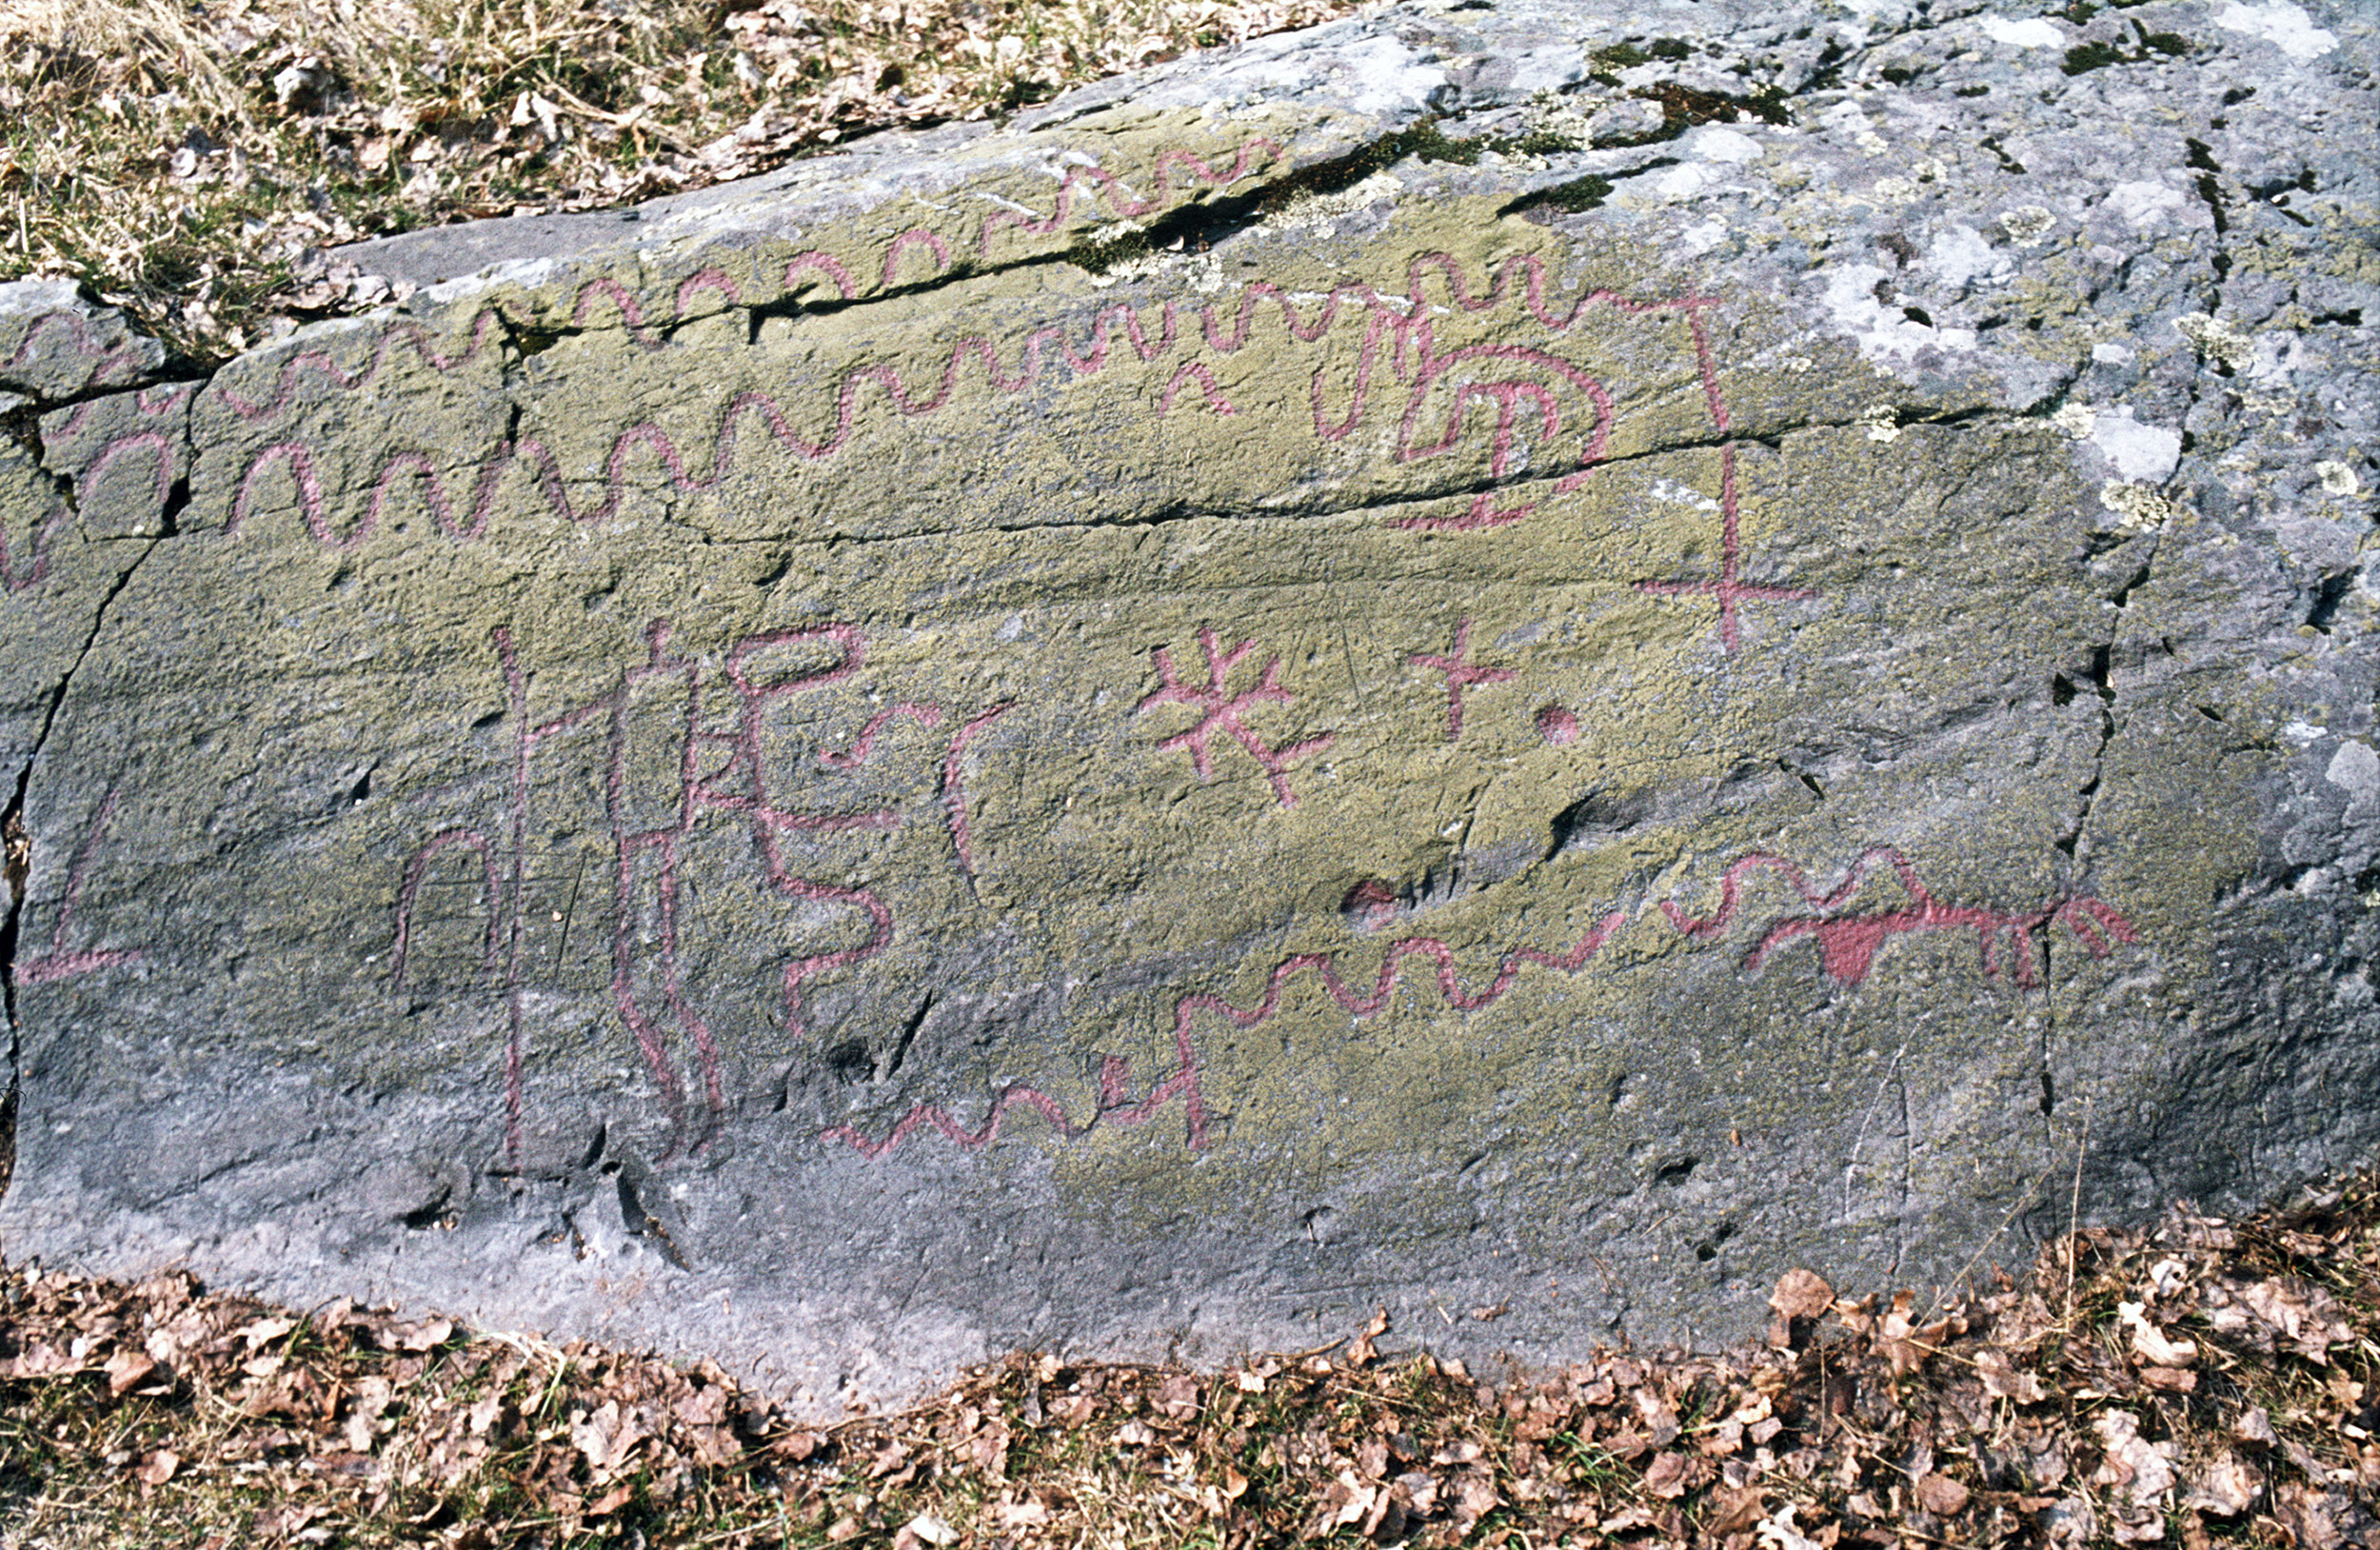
1729,587
717,775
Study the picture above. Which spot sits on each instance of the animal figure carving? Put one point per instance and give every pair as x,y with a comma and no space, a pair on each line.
1849,939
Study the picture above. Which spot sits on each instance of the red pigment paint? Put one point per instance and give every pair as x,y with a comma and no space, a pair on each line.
58,963
1220,709
1460,675
718,772
1848,940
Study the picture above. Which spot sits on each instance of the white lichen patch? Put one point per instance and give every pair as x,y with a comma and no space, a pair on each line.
2033,32
1200,272
2144,204
2337,478
2027,225
2076,420
2217,340
1883,423
2355,767
2284,25
2136,506
2140,452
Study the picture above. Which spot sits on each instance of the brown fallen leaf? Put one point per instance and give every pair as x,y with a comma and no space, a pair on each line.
427,1336
1666,1476
1801,1294
1178,1396
159,1468
1016,1513
264,1330
2003,1379
2226,1487
1359,1350
1731,1509
2314,1518
610,1502
1939,1495
2138,1469
2151,1341
125,1370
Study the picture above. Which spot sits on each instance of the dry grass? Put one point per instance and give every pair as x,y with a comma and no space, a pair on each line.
2205,1383
184,161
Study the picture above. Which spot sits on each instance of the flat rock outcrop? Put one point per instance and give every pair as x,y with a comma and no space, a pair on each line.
1516,662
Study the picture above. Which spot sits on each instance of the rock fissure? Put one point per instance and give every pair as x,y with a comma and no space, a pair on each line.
1400,509
19,854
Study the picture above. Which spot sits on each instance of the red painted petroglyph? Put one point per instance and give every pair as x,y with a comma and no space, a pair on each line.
955,789
1848,943
155,443
1220,710
37,554
418,339
1556,724
58,963
151,401
1728,585
397,336
927,716
1372,904
1460,675
712,278
914,237
719,773
1396,329
1848,940
1114,1105
631,313
1194,371
82,341
15,575
1119,200
826,263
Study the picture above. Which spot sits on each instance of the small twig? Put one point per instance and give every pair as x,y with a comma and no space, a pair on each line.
2074,1214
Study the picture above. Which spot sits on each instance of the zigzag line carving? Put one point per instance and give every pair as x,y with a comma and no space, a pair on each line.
1399,322
418,339
1114,1106
1847,942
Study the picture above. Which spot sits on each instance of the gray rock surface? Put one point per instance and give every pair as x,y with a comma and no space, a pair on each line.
1506,655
